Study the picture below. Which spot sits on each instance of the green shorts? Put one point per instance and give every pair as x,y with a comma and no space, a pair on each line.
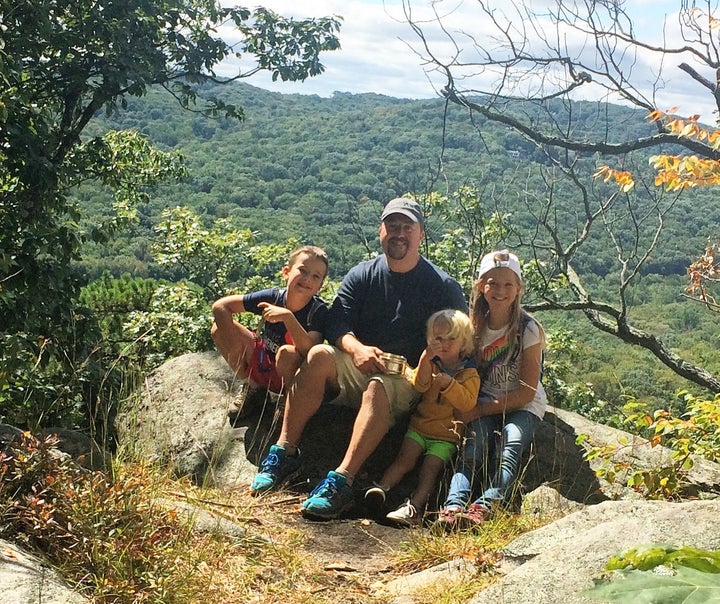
431,446
353,383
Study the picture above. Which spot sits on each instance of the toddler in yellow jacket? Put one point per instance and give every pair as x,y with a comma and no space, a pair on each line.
447,377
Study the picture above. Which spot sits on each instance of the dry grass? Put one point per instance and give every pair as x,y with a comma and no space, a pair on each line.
293,571
128,538
282,567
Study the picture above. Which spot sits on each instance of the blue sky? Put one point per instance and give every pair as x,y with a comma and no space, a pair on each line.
380,51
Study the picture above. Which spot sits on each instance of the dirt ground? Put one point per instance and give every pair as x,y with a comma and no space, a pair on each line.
355,542
357,551
345,560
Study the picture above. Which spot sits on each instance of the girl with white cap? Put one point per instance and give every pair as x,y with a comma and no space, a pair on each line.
509,347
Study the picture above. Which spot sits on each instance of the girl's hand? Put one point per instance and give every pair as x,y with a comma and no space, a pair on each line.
274,314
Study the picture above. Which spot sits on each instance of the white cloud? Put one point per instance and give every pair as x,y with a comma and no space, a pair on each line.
377,49
373,56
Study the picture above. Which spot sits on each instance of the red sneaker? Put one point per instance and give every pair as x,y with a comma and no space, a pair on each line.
447,518
473,516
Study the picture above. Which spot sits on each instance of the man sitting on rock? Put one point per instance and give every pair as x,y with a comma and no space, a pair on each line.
382,307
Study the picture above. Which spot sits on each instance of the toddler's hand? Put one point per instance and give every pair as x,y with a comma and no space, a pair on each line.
442,379
434,348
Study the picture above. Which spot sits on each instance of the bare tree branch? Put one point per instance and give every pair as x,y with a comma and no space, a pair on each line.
522,67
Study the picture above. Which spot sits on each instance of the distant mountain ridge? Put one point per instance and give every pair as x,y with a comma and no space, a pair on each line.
321,168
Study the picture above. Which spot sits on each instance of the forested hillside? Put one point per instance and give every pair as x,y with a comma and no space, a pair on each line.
319,169
305,165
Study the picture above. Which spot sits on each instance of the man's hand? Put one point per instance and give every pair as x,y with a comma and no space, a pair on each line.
367,359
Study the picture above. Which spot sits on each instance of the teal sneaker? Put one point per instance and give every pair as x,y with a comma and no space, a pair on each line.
329,499
275,469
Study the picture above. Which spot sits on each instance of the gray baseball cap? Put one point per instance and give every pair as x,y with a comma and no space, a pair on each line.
406,207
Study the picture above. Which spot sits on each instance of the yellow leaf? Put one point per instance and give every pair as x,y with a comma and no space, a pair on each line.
675,125
688,129
601,171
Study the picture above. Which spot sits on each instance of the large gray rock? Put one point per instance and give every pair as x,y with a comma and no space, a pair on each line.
26,579
183,416
554,564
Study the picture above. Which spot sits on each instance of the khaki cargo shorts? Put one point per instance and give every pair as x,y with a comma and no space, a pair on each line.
353,383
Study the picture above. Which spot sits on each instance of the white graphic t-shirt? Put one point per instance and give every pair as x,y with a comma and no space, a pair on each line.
500,370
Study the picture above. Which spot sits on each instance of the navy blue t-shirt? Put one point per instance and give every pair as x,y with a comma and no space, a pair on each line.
312,316
390,310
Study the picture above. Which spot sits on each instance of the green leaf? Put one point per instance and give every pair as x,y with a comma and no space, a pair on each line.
686,586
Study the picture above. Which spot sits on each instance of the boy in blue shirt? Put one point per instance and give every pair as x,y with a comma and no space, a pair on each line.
293,320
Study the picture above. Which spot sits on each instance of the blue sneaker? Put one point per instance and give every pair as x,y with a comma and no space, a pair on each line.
330,498
275,469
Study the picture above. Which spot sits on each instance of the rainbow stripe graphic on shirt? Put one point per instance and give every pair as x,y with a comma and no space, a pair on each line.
497,349
494,353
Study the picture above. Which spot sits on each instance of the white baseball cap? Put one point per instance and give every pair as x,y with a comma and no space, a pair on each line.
500,259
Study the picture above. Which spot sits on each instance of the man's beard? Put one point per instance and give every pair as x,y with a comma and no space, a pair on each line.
397,251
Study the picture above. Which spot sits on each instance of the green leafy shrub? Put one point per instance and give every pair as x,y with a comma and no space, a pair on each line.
47,380
177,321
696,432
